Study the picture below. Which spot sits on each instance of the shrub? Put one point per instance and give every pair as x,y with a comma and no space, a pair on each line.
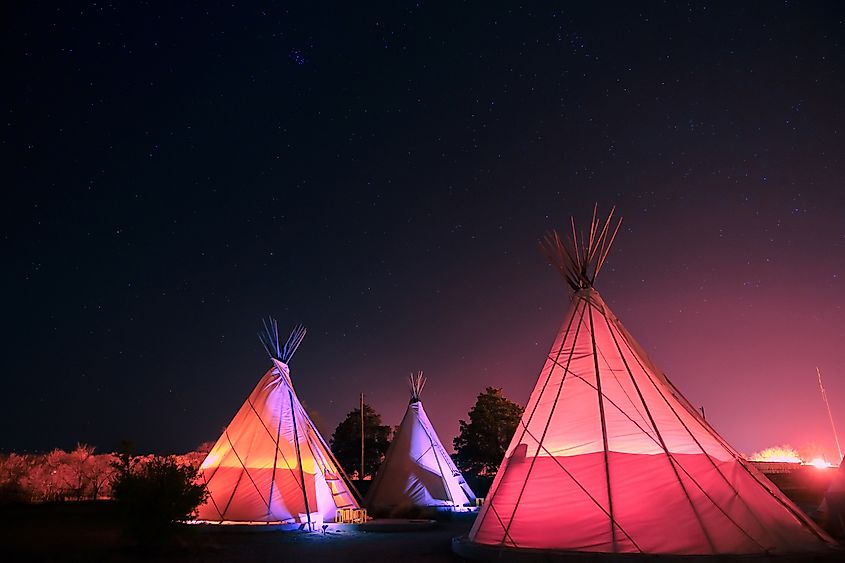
155,494
12,492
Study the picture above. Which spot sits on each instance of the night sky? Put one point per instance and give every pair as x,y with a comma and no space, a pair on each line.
382,174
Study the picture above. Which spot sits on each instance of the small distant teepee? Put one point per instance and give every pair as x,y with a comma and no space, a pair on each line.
271,464
609,456
417,472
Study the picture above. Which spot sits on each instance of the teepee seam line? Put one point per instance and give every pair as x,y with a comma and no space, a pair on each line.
439,467
586,492
603,434
713,434
344,478
540,444
241,475
429,449
551,413
275,461
496,482
270,434
614,405
502,524
624,392
554,361
388,462
210,496
299,459
669,456
213,473
784,502
244,472
318,459
232,496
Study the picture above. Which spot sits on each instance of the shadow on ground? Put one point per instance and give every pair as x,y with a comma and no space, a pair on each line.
90,532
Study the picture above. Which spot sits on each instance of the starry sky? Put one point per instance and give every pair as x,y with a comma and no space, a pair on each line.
382,173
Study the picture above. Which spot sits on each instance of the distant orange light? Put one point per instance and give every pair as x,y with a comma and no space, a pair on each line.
781,454
819,463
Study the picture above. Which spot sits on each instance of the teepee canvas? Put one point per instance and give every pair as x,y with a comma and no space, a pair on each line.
417,471
610,457
271,464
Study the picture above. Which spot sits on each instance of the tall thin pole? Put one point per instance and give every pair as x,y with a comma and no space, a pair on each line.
829,414
362,437
603,432
299,460
275,458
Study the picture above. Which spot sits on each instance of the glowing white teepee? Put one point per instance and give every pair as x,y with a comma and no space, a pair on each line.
271,464
417,471
610,457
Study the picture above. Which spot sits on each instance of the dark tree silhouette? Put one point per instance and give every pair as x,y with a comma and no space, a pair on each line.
481,443
346,441
154,494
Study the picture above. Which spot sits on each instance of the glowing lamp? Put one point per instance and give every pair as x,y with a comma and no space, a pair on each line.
819,463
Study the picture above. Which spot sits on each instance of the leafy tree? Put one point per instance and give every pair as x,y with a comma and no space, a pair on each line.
56,475
85,474
14,470
155,494
346,441
101,473
78,471
50,476
481,443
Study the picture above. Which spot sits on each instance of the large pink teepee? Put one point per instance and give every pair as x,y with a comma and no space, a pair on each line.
610,457
271,464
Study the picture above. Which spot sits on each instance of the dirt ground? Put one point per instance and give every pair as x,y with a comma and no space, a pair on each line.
89,533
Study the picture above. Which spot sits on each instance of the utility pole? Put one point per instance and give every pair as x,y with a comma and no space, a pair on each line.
829,414
361,477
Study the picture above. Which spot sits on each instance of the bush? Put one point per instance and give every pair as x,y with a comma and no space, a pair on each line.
12,492
155,494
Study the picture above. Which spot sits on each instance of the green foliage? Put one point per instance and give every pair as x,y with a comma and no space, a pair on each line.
154,494
480,446
346,441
